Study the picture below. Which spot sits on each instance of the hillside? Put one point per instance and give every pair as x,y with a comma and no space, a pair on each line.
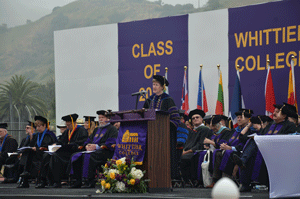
28,49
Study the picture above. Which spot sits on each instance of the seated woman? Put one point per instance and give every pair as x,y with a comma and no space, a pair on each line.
89,124
162,101
42,139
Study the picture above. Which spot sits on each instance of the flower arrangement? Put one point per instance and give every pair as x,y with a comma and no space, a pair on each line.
121,176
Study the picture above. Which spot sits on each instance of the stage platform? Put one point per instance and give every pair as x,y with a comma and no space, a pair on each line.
10,191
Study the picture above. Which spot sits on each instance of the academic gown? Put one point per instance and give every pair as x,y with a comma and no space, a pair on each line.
31,160
58,161
220,138
227,165
255,166
189,162
10,145
165,103
17,169
85,164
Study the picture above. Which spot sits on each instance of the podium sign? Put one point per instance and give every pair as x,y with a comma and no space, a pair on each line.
156,146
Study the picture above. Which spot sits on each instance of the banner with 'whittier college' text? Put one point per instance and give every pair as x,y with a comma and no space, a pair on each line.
259,33
131,141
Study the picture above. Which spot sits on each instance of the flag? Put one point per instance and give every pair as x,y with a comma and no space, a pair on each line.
166,76
202,102
237,101
269,94
220,100
292,99
185,95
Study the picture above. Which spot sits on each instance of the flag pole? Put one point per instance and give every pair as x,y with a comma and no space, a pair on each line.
201,65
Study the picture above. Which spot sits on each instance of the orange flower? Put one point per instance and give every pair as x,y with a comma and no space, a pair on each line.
105,165
103,183
112,175
132,181
118,162
107,186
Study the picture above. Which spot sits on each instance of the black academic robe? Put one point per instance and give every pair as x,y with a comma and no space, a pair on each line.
164,102
194,142
9,146
250,152
30,159
196,137
298,128
58,162
84,165
287,128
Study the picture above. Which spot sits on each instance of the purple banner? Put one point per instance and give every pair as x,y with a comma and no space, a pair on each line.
146,48
131,141
259,33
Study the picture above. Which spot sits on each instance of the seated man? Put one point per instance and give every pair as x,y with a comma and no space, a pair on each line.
221,135
13,169
281,125
100,143
231,144
7,144
194,142
33,156
55,165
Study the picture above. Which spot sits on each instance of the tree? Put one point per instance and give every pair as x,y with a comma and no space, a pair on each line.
18,96
213,5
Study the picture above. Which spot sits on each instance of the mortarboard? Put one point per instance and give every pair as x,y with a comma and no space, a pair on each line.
3,125
162,80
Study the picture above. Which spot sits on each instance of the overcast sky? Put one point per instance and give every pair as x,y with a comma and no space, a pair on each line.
16,12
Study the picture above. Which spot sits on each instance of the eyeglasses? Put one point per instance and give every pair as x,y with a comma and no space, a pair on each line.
28,127
197,117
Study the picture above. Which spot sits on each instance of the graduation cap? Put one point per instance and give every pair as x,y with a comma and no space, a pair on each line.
196,111
3,125
216,119
89,119
292,109
162,80
256,120
102,112
283,109
265,118
70,118
246,112
207,119
41,118
223,117
181,113
31,124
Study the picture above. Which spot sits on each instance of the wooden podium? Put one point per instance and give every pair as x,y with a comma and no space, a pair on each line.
157,155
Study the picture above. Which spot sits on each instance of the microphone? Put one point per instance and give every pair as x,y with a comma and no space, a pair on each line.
139,93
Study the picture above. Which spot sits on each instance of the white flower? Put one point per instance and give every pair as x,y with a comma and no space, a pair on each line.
98,191
113,171
123,160
120,186
136,173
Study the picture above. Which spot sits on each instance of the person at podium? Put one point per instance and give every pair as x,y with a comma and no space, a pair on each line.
162,101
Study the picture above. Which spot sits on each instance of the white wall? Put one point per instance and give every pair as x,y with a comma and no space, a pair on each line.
86,70
208,45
